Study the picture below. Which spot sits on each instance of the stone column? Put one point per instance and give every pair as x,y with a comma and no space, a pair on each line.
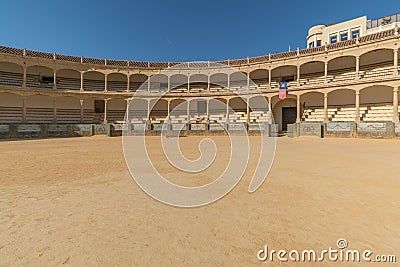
24,109
169,83
82,114
54,111
357,106
105,111
148,110
128,80
128,101
298,118
298,75
169,104
55,79
269,78
326,118
105,82
326,72
82,80
357,67
208,109
396,104
248,110
395,61
24,78
208,83
248,81
188,85
227,111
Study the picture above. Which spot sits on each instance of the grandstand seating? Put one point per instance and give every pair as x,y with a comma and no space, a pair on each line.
10,114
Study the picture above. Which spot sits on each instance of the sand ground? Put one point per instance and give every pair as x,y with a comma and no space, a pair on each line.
73,202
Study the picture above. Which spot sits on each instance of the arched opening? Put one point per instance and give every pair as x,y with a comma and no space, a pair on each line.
138,110
284,111
39,109
93,81
342,69
178,111
10,108
312,73
239,110
39,77
68,109
159,83
342,102
136,81
68,79
376,63
376,103
218,82
11,74
116,108
117,82
312,106
217,110
260,78
259,109
286,73
178,83
198,83
159,110
238,81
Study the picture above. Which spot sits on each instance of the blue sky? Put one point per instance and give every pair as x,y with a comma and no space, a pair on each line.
173,30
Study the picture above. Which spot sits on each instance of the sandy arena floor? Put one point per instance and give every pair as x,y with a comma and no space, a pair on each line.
73,202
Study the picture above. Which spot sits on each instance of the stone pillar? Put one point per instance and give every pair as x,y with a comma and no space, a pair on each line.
269,78
148,110
169,104
82,115
169,83
298,75
105,111
24,109
248,81
24,78
188,110
395,61
208,83
326,118
298,118
105,82
357,106
208,109
396,104
326,72
229,82
128,101
55,79
54,111
188,85
82,80
357,67
227,111
128,80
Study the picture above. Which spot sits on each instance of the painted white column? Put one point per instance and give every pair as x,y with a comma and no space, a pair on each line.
208,110
248,110
169,104
208,83
148,110
128,80
55,79
357,67
269,77
227,111
396,104
169,83
105,82
188,85
82,80
357,106
395,61
298,105
326,72
188,110
248,81
128,101
298,75
326,118
105,111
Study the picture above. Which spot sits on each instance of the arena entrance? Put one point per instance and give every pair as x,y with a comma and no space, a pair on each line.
289,115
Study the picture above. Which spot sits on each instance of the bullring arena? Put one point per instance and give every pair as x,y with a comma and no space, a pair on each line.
72,200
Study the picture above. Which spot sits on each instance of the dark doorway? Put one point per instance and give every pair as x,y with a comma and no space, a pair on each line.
99,106
289,115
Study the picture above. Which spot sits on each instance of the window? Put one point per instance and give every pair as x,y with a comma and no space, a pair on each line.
344,36
355,33
318,42
311,45
333,39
